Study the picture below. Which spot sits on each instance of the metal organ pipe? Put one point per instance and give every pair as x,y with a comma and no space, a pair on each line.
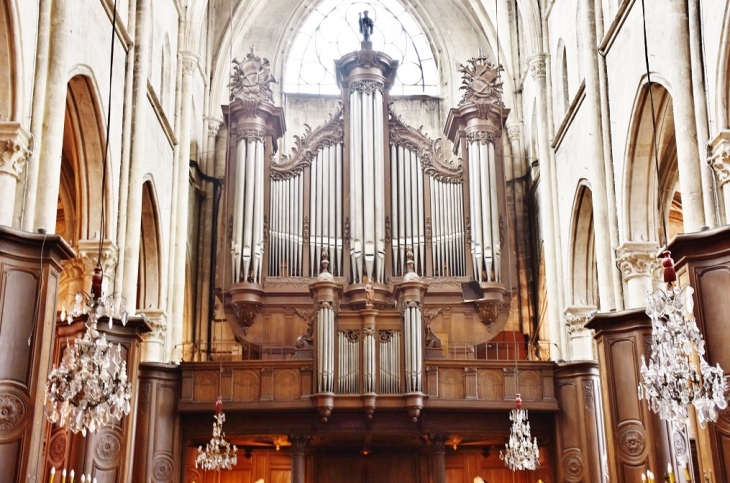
369,360
413,347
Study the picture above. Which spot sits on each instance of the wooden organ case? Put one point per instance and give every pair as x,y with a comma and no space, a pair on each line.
341,272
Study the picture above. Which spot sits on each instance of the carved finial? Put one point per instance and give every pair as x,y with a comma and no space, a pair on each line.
482,84
251,79
324,274
411,274
366,26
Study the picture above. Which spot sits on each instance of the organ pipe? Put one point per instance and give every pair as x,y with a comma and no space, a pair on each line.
325,347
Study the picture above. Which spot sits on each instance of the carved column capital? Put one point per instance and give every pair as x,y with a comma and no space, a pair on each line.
189,62
15,148
637,259
158,321
514,130
214,126
538,66
88,252
481,137
719,152
298,442
576,317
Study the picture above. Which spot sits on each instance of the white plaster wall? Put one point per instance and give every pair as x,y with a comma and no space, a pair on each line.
562,25
715,18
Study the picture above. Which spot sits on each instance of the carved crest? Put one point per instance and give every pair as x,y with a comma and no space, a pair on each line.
308,145
251,79
429,151
482,84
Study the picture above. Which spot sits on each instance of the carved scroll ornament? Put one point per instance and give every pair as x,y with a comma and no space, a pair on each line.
308,145
429,151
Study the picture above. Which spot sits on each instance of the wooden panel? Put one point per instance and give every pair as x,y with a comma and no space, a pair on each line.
712,289
286,385
245,386
491,385
451,384
623,363
207,386
530,386
17,318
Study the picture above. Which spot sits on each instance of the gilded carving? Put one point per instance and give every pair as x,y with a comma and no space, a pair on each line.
632,442
308,145
482,85
251,79
429,152
12,411
108,447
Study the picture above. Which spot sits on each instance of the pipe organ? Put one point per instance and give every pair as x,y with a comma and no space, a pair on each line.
367,212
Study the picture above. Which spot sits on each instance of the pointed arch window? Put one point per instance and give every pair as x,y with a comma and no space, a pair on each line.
330,31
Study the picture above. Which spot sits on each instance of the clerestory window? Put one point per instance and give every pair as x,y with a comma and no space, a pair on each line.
331,30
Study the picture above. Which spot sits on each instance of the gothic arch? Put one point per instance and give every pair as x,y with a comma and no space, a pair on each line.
562,92
722,103
642,187
10,87
149,281
583,271
80,193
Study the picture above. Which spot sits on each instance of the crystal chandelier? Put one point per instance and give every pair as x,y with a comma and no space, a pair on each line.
673,380
218,454
89,388
521,453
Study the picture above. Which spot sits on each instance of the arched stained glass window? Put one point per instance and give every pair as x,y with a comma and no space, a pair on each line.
331,31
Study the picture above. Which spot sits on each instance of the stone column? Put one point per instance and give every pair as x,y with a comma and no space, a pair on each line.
14,152
684,117
636,438
580,339
720,159
51,143
139,155
594,138
153,342
581,442
637,261
548,222
182,179
298,443
438,457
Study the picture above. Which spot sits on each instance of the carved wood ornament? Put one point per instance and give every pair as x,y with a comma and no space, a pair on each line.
308,145
430,152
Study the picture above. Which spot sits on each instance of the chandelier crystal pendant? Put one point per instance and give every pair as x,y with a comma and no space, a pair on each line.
521,453
89,389
217,454
673,379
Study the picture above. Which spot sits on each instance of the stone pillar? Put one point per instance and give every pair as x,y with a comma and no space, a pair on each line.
581,442
580,339
438,457
548,223
690,179
637,261
14,152
298,443
110,452
139,155
49,175
30,268
182,178
703,261
637,440
720,159
157,435
596,166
